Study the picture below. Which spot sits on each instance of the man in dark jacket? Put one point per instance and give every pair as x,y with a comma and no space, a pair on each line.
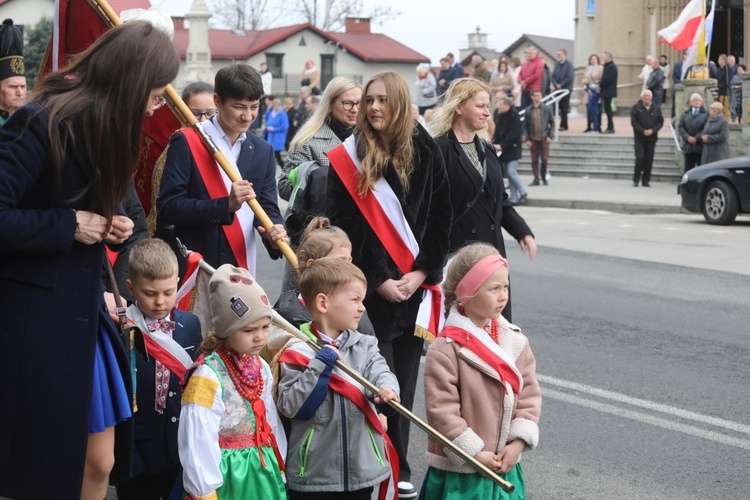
646,119
562,78
723,77
691,125
507,141
608,90
539,128
655,82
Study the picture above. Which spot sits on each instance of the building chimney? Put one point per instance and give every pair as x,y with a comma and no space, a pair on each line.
179,23
358,25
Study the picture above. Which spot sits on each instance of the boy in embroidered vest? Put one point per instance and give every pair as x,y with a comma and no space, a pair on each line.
209,213
480,386
338,447
152,271
227,436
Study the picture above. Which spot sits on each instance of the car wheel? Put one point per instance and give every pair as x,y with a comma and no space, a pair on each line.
719,203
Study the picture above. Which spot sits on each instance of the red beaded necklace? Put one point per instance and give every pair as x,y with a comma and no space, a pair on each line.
245,373
492,330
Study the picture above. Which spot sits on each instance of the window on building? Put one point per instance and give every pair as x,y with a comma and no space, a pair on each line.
275,64
590,8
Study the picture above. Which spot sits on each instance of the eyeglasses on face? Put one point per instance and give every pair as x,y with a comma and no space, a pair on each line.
236,278
200,114
350,105
157,101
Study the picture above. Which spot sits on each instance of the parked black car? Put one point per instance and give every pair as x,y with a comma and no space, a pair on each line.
719,190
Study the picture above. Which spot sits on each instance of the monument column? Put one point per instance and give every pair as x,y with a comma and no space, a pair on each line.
198,59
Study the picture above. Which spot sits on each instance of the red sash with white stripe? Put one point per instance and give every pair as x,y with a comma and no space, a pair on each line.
216,188
471,342
185,293
352,392
389,236
161,346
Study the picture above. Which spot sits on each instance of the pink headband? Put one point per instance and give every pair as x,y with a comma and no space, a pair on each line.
478,274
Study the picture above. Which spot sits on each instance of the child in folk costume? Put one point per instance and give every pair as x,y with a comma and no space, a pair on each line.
338,447
480,383
319,240
171,337
227,437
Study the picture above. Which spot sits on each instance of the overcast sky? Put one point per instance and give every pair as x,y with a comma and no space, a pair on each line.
435,27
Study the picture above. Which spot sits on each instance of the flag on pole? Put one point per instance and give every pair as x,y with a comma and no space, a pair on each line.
681,33
697,53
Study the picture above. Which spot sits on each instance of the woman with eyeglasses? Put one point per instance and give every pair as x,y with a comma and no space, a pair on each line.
66,162
388,191
330,124
199,98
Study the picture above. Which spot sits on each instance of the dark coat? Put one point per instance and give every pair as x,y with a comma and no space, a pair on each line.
548,122
655,82
492,211
426,206
134,211
292,310
691,126
51,306
643,119
184,201
508,135
608,83
156,434
717,146
563,74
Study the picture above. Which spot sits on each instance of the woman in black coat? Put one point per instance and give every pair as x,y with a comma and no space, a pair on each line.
481,207
395,151
66,163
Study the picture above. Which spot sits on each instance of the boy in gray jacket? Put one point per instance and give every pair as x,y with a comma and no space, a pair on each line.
338,447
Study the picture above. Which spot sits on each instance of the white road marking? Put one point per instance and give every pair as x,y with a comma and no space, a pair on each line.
648,405
649,419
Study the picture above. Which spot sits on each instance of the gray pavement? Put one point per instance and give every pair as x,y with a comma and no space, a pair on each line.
614,195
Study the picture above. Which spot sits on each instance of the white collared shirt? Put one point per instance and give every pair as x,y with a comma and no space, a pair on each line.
235,148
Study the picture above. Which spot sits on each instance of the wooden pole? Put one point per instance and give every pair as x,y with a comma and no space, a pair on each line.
183,113
482,469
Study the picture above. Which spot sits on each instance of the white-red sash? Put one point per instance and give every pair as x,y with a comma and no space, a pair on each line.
185,293
241,232
489,352
341,383
161,346
382,210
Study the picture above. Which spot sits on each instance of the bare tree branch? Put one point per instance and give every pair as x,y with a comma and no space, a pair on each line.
330,15
246,14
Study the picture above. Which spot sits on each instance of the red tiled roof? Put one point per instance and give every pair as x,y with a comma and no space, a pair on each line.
376,47
225,44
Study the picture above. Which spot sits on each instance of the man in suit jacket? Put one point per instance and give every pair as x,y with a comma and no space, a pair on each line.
539,129
201,221
562,78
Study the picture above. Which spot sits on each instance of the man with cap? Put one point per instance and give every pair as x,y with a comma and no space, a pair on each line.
12,71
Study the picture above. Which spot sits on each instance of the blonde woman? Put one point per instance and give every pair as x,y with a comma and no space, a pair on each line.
481,207
389,149
311,77
331,123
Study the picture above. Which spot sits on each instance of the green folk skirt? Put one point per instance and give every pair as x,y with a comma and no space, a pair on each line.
440,484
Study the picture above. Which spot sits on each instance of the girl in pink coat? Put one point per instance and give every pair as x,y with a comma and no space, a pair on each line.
480,383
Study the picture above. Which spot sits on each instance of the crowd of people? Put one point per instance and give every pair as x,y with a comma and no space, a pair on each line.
145,396
396,216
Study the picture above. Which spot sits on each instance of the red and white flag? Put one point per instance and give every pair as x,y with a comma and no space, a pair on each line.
681,34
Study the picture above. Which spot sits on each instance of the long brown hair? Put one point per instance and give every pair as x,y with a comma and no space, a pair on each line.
372,147
102,95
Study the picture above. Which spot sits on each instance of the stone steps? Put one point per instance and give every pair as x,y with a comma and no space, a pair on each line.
604,157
